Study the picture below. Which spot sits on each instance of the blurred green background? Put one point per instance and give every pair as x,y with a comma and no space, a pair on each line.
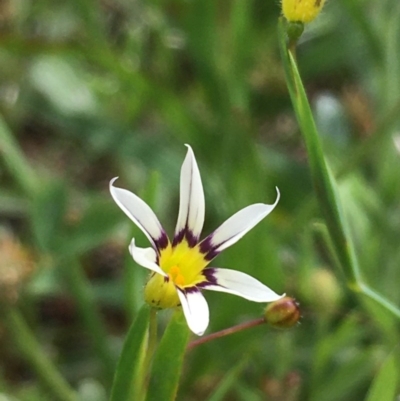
90,90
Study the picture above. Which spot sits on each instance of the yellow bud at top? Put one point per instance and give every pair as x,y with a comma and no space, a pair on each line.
301,10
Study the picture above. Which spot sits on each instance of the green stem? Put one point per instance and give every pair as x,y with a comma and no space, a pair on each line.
324,182
35,356
89,313
364,289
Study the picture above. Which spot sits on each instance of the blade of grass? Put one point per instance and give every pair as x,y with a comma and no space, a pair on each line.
128,380
386,382
168,360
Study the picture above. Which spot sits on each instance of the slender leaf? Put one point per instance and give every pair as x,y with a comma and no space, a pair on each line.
168,360
386,381
127,383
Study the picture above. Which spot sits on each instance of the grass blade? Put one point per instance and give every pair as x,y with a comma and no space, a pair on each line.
168,360
386,381
127,383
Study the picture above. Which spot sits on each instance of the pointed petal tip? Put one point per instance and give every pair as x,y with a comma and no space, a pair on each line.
191,203
113,180
140,213
278,196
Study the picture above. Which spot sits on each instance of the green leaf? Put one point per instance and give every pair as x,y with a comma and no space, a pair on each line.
386,382
168,360
128,378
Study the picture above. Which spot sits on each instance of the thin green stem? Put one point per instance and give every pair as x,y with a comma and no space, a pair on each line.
340,240
364,289
40,363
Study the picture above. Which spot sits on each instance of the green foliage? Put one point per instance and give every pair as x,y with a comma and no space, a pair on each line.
93,90
168,360
128,383
386,383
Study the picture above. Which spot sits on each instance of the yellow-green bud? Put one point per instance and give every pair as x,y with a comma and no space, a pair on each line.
294,30
283,313
301,10
323,291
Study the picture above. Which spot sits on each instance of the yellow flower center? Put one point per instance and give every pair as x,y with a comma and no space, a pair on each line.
184,266
176,276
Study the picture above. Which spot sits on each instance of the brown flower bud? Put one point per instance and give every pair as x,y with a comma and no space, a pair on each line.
283,313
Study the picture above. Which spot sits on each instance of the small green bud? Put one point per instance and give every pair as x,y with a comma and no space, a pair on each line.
326,291
294,30
283,313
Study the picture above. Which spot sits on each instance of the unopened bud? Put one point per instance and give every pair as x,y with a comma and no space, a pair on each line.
301,10
323,291
283,313
294,30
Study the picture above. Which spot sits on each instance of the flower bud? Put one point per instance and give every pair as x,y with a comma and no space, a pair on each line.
294,30
323,291
283,313
301,10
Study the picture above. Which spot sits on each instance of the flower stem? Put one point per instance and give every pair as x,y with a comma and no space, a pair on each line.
365,290
35,356
340,238
226,332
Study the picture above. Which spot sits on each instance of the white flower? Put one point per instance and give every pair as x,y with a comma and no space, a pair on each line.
180,268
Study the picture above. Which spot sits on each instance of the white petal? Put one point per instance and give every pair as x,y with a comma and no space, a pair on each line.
238,225
139,212
191,205
241,284
145,257
196,310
